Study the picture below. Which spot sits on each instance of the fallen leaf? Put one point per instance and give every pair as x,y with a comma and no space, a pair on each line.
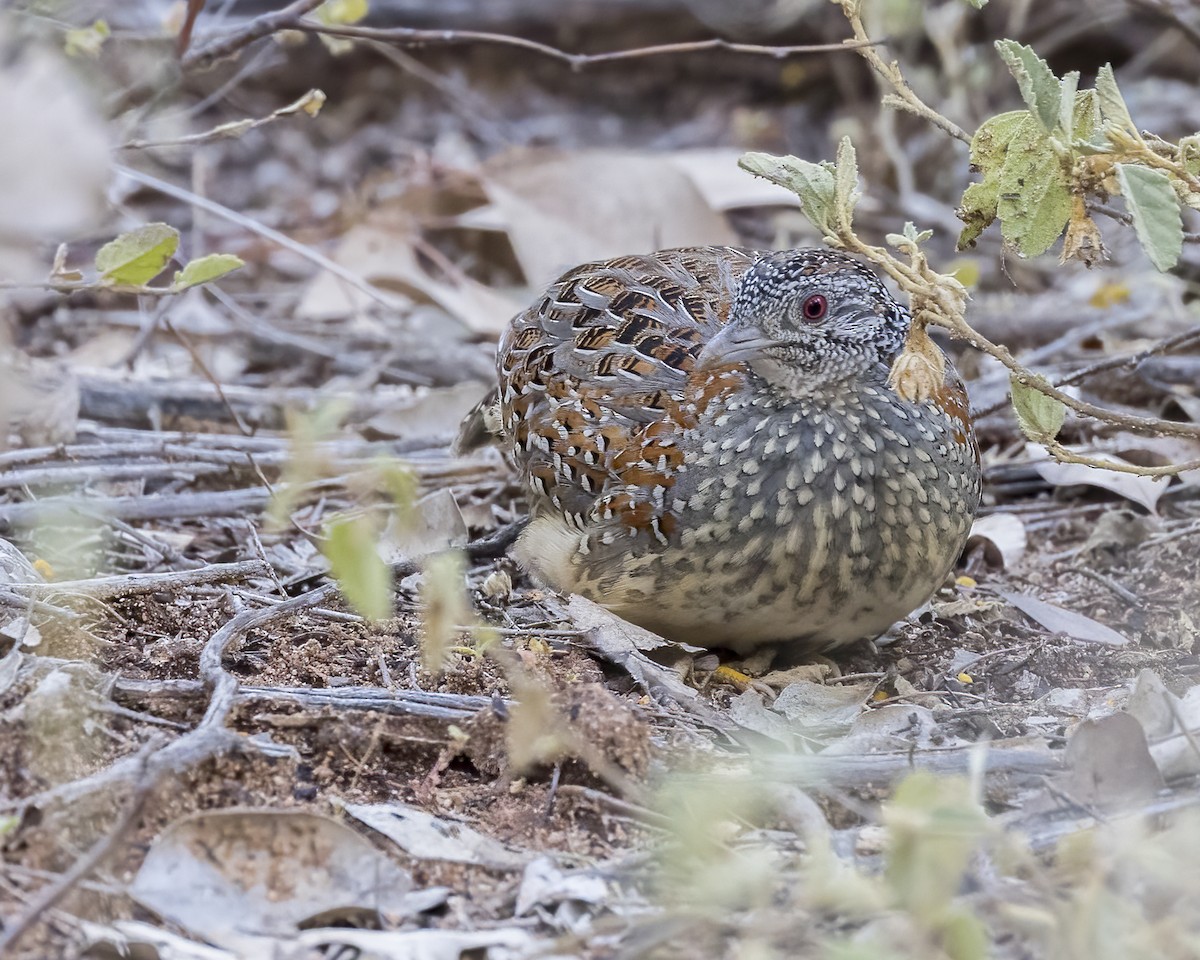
233,876
1109,764
503,943
434,414
1060,620
545,882
432,525
1003,537
1165,717
124,937
714,171
384,254
560,209
624,644
428,837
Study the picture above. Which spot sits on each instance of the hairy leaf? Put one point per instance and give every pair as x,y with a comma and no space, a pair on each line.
1112,104
1040,417
351,547
989,148
1034,201
1151,202
1039,87
137,257
814,183
846,193
205,269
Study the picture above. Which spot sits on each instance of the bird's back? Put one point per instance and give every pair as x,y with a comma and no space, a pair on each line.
590,371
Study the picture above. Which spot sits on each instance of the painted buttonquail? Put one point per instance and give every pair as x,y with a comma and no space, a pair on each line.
712,450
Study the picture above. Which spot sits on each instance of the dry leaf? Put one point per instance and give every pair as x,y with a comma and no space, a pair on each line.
428,837
1060,620
1003,537
232,876
714,171
385,255
565,209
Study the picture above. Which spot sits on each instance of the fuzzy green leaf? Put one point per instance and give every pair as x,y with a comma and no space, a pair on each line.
1040,417
1112,104
846,193
352,548
1066,109
205,269
1034,201
989,147
1151,202
1040,89
137,257
814,183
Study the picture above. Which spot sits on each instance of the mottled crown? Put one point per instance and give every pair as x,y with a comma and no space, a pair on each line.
859,332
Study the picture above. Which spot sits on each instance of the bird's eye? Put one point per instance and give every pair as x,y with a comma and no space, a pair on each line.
814,308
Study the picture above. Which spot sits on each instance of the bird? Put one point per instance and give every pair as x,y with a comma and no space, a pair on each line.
711,449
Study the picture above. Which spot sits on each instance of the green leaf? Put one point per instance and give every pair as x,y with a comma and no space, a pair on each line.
963,936
351,546
206,269
342,11
1112,105
1040,417
846,194
814,183
933,827
989,148
1151,202
977,4
1066,109
86,41
1040,89
1189,154
909,239
137,257
1034,194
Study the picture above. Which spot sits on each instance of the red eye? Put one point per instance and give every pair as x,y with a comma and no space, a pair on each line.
814,308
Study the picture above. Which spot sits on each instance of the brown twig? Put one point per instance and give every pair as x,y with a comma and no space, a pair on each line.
292,17
1130,362
256,29
408,37
203,367
134,584
904,98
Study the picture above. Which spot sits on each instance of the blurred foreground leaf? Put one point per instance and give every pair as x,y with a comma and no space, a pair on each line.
365,580
206,269
137,257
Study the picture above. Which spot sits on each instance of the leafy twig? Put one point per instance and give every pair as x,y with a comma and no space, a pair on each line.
904,98
309,104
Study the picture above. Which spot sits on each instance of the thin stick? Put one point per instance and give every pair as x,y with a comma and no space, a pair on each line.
138,583
256,29
288,19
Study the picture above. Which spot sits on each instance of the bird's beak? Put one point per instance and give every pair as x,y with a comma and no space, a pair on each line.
733,344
